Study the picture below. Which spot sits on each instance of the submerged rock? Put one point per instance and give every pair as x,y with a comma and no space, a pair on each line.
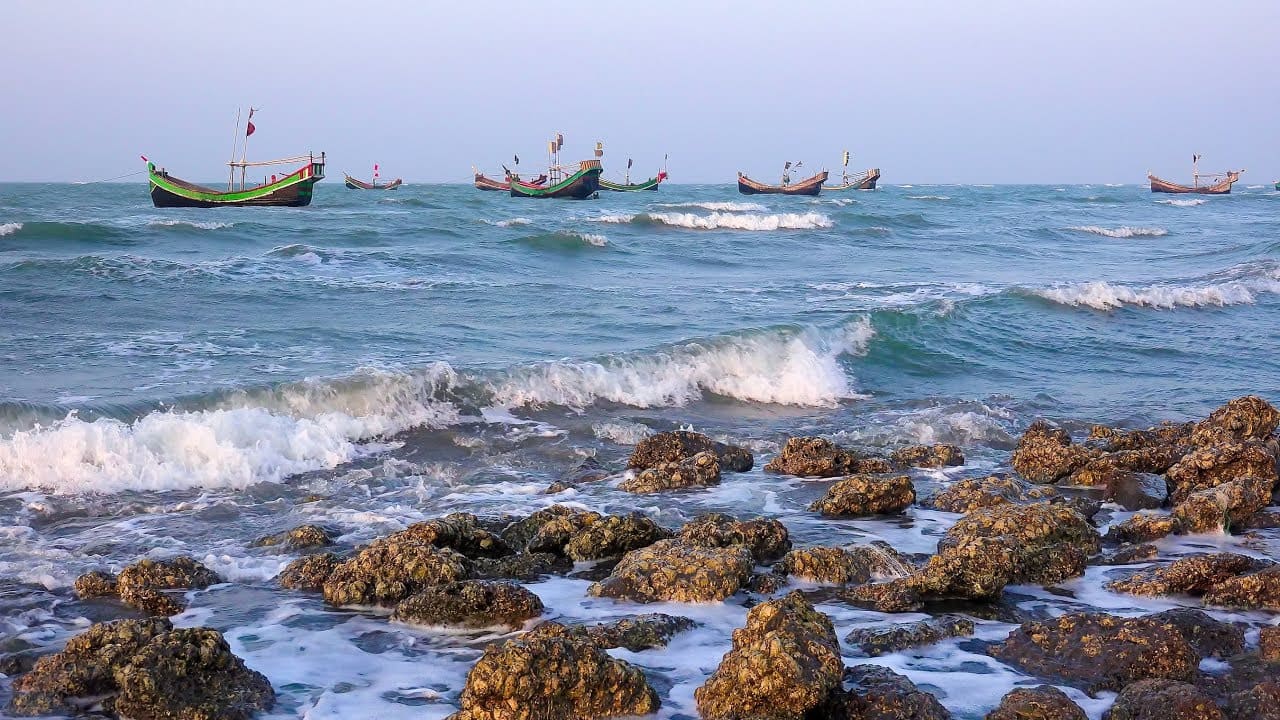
190,674
1192,575
819,457
866,495
309,572
391,569
472,604
1207,636
301,537
588,471
841,566
927,456
881,640
967,495
784,662
679,445
701,470
1159,699
1046,454
872,692
767,538
1097,651
677,571
1045,702
548,674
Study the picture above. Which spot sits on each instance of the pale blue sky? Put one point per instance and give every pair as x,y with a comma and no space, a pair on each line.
1007,91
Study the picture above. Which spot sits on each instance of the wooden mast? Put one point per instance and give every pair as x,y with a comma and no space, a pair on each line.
1195,170
244,151
235,142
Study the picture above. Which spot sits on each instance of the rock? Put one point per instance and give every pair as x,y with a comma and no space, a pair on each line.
842,566
1160,699
1269,643
1223,506
1138,491
642,632
298,538
521,566
85,668
1129,555
866,495
1045,454
701,470
765,583
1262,702
784,662
460,532
14,664
871,692
1111,468
1261,590
1045,702
767,538
1240,420
544,675
588,471
880,640
673,447
1207,636
1142,528
95,584
970,494
190,674
1097,651
677,571
546,530
471,604
614,536
1209,467
391,569
1192,575
927,456
1261,520
1165,434
309,572
819,457
141,583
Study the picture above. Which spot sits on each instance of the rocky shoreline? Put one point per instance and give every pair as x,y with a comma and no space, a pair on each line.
1032,526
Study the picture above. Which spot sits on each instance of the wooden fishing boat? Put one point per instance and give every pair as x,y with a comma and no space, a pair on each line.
354,184
1278,184
487,183
810,186
1219,183
865,180
583,183
627,186
292,190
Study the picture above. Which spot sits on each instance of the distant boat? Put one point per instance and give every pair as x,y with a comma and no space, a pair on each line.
292,190
484,182
865,180
810,186
354,184
583,183
1220,183
627,186
1278,184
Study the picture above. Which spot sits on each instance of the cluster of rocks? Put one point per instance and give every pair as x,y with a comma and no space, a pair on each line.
145,585
1223,579
822,458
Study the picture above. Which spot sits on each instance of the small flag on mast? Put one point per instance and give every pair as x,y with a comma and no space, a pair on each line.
249,128
517,159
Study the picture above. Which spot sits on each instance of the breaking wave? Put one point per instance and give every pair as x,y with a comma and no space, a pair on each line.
1121,232
512,222
9,228
726,221
1188,202
719,206
1107,296
190,224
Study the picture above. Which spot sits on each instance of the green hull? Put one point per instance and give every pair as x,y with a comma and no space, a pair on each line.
582,184
650,184
1278,184
293,190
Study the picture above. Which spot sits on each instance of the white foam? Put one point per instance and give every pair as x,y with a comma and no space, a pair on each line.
929,197
9,228
1106,296
720,206
1187,202
729,221
590,238
621,432
788,367
512,222
190,223
1122,232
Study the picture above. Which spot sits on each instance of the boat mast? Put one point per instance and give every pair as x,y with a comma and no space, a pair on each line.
1195,170
244,151
235,142
844,176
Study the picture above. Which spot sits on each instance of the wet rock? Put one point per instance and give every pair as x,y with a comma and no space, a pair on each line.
521,566
784,662
1207,636
299,538
14,664
190,674
1046,454
556,525
141,583
1269,643
701,470
765,583
1045,702
545,675
767,538
1159,699
842,566
309,572
1261,520
678,445
1262,702
1165,434
1143,528
460,532
1097,651
860,495
819,457
1192,575
1223,506
871,692
1138,491
1239,420
677,571
391,569
881,640
1112,468
590,470
85,668
1261,591
642,632
1129,555
1209,467
927,456
967,495
472,604
614,536
96,584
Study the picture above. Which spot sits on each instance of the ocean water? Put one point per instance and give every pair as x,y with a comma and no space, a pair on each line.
181,381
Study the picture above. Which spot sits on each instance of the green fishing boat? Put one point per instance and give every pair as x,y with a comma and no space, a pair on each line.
627,186
583,183
1278,184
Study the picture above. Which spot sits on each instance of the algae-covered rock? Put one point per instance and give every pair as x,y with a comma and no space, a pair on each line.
546,675
391,569
1258,591
819,457
866,495
767,538
967,495
614,536
1045,702
1224,505
1160,699
784,663
1097,651
927,456
1191,575
472,604
1046,454
309,572
301,537
881,640
701,470
140,585
1239,420
677,571
190,674
679,445
95,584
841,566
1208,467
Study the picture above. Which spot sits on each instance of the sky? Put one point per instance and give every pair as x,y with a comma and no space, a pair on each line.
1001,91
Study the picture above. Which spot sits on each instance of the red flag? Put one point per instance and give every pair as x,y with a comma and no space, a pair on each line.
249,130
144,158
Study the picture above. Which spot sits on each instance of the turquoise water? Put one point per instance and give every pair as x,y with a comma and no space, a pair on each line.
176,380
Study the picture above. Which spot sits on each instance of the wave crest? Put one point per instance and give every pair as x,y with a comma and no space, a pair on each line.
9,228
1106,296
1121,232
1188,202
726,221
719,206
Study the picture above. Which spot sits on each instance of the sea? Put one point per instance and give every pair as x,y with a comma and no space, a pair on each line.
182,381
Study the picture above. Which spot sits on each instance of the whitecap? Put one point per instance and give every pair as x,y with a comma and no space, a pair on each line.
510,222
1188,202
1107,296
719,206
728,221
9,228
1121,232
190,223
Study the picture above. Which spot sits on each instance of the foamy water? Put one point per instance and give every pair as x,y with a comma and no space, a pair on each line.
727,221
1122,232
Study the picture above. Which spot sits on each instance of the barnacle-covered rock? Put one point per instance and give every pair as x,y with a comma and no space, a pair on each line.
640,632
866,495
309,572
1239,420
301,537
881,639
391,569
872,692
1046,454
819,457
1207,636
767,538
701,470
677,571
1163,435
470,603
1161,699
521,566
1260,590
1044,702
1192,575
461,532
1225,505
1214,465
96,584
844,565
927,456
1143,528
546,530
1261,702
614,536
678,445
140,585
967,495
